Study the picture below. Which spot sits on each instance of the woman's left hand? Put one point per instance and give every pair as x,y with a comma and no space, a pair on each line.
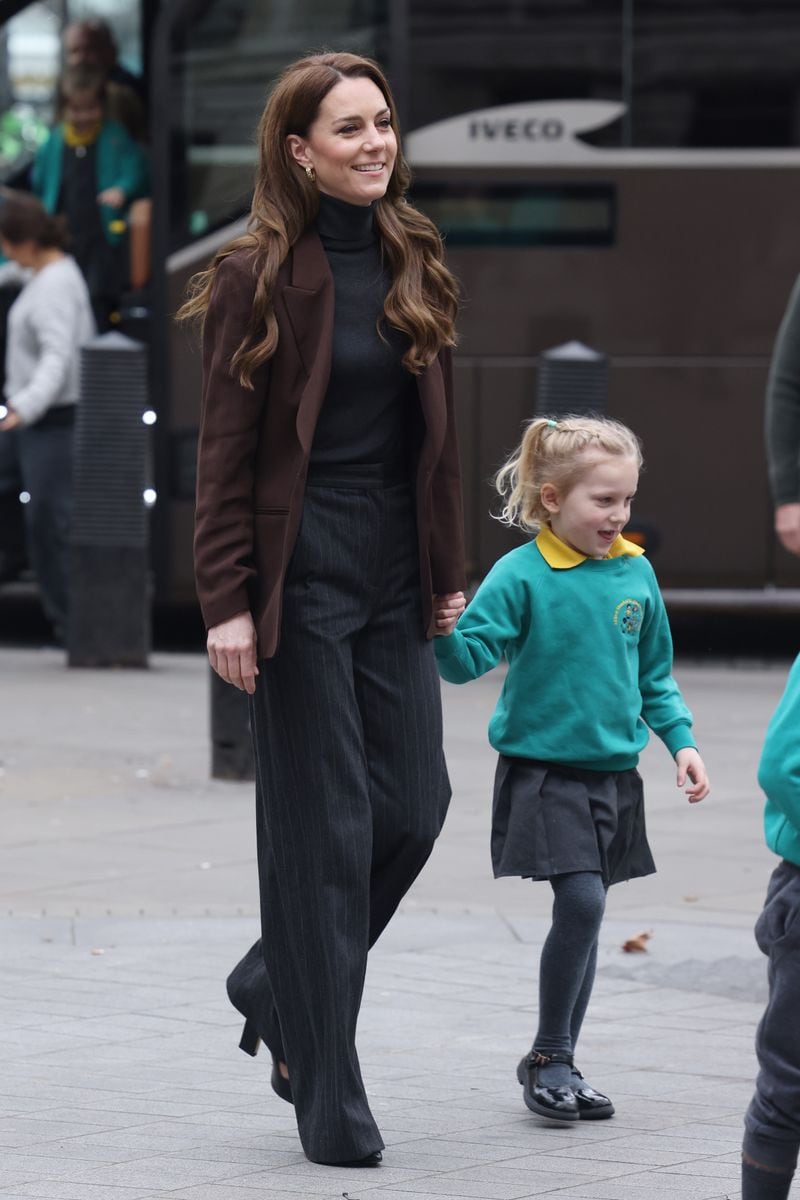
691,766
447,608
114,197
10,421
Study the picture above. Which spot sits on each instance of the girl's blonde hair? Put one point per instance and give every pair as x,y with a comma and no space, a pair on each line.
423,295
558,451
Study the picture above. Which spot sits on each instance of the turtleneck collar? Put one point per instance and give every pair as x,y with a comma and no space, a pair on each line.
343,226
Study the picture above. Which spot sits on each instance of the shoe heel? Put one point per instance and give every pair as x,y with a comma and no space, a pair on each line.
251,1039
282,1087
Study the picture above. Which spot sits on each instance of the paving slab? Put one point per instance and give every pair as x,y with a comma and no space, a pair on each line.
129,888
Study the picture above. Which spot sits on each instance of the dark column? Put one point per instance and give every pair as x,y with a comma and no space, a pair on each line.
109,621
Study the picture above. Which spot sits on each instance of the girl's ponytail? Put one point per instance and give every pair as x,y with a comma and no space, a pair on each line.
558,451
516,479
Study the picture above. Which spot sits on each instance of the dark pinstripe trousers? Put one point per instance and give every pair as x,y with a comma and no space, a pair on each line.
351,790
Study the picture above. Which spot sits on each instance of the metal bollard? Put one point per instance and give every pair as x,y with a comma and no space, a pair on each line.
571,378
231,744
109,621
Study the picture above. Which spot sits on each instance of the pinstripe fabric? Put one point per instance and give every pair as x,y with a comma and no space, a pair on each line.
352,791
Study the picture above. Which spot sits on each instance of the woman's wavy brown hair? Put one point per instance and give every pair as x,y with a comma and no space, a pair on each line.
423,296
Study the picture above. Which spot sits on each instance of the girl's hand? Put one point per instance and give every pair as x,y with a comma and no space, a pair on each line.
447,608
690,765
114,197
232,651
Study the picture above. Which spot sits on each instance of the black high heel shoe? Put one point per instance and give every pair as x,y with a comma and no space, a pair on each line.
557,1103
251,1040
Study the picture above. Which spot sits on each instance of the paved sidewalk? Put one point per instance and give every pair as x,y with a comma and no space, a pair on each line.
128,889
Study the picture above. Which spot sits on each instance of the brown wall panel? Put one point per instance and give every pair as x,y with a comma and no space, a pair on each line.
705,486
703,265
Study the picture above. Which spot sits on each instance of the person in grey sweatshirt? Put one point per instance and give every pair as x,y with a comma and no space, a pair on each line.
47,324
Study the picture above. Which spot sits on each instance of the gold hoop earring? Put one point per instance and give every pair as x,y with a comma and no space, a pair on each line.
310,172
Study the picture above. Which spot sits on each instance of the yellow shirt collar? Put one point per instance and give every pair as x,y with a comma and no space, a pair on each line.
559,555
86,137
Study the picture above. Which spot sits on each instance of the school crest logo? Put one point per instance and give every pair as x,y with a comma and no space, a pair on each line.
628,617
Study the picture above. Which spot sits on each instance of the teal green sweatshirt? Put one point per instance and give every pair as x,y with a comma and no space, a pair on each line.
589,656
779,772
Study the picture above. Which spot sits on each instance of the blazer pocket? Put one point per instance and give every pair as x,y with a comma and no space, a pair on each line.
274,510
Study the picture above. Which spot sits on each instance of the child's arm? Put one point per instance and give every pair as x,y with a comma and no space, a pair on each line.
663,707
130,169
779,768
493,619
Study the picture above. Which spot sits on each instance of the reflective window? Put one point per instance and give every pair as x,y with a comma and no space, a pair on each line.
711,74
520,214
225,55
467,55
695,73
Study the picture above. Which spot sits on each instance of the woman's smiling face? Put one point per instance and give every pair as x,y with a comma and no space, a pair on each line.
351,144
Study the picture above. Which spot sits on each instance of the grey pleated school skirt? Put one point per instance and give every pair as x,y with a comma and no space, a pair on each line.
551,819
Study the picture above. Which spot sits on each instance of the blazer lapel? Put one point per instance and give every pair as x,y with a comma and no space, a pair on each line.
309,301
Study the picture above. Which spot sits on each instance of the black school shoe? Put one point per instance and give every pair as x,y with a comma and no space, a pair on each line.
592,1105
557,1103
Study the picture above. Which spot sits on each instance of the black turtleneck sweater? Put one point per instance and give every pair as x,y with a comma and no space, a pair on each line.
371,412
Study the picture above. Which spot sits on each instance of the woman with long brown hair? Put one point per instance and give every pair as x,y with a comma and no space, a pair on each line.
329,550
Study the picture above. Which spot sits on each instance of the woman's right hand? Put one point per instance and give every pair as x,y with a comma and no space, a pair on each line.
232,651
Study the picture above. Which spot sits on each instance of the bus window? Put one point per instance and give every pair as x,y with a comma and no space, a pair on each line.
512,214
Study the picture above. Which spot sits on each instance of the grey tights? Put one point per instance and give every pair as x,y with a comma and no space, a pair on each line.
567,967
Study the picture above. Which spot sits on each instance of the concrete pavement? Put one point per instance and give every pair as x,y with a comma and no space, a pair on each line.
128,888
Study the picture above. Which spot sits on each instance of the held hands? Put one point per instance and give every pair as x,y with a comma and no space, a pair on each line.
787,526
232,651
691,766
447,608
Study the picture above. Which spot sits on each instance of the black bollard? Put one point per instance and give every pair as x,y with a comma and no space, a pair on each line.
571,378
109,623
231,744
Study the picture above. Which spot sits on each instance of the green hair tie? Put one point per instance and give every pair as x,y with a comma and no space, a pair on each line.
552,424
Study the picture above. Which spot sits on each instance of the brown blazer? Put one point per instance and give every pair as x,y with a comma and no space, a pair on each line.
254,447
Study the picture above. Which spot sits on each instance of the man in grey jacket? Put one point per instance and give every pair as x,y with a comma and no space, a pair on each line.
782,426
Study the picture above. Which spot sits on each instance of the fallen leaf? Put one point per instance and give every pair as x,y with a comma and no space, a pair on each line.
638,943
97,950
691,899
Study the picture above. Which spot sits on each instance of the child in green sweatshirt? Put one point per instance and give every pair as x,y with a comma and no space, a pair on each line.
578,617
772,1124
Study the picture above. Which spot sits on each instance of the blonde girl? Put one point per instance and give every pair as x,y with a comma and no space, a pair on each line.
578,616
